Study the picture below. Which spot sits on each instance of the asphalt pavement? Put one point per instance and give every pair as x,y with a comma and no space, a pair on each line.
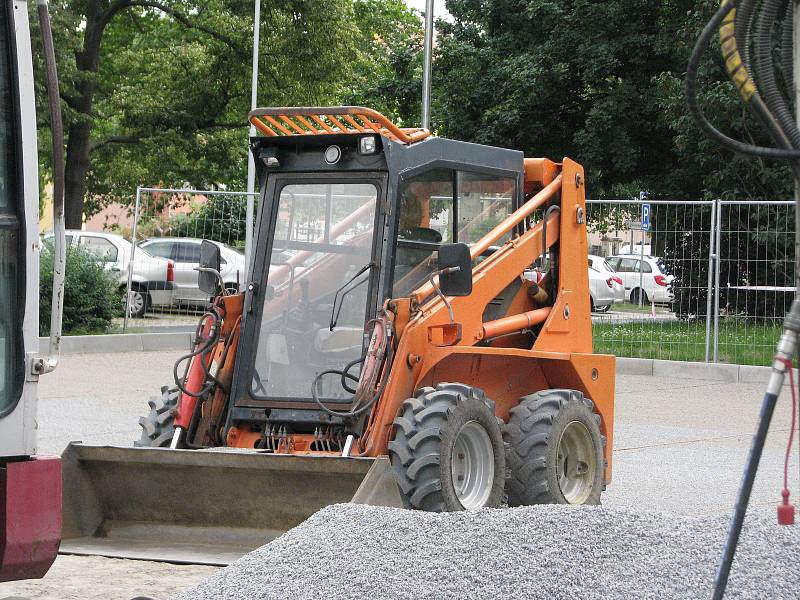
679,444
679,448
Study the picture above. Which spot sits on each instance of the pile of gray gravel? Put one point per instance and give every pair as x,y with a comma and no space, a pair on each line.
547,552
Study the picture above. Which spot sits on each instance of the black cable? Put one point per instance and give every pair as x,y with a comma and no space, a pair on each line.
765,70
697,112
743,28
202,348
787,52
735,528
354,413
346,373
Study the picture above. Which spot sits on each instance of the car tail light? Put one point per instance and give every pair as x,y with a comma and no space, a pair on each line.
617,279
661,280
610,282
170,271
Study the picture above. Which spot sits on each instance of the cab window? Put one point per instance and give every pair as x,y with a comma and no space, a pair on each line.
444,206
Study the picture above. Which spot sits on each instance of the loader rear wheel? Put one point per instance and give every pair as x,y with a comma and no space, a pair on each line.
447,453
555,450
158,426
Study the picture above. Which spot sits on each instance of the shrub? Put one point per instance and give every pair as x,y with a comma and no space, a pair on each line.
91,295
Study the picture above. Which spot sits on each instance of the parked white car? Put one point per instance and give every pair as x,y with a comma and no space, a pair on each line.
185,253
655,282
617,286
152,278
601,291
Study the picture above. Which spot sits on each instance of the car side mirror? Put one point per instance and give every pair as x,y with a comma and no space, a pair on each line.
210,261
455,270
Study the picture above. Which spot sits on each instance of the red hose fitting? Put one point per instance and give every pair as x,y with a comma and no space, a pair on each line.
785,510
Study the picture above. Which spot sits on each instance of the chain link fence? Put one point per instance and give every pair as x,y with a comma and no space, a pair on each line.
709,281
167,230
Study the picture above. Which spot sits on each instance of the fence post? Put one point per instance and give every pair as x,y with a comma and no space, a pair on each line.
130,262
712,259
718,262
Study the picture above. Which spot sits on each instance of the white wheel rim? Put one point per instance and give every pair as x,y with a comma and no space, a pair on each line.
577,463
472,466
135,301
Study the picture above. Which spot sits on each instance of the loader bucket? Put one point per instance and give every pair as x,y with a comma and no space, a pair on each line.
203,506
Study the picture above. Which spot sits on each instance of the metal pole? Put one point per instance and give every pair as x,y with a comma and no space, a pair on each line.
712,257
130,262
426,69
796,91
642,197
251,165
716,280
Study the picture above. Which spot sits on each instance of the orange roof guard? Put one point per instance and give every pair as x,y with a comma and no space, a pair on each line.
317,120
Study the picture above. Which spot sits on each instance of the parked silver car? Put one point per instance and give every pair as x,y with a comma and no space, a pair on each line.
152,279
185,253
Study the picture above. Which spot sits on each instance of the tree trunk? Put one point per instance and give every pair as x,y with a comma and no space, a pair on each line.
75,169
79,133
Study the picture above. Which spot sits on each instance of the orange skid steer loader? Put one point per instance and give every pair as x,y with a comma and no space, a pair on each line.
415,331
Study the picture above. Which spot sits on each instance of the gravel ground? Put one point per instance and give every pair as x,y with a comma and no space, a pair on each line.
554,552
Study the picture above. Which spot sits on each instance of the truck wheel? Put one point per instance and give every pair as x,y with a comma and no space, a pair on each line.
448,453
555,450
139,299
158,426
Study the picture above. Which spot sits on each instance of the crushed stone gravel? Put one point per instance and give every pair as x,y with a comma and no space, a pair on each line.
548,552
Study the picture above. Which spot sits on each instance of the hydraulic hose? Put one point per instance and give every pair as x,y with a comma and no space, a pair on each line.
787,57
743,83
202,348
765,69
379,391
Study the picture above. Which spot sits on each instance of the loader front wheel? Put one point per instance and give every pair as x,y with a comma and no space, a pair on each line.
555,450
447,453
158,426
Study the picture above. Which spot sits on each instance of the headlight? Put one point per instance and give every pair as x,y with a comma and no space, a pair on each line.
368,144
333,154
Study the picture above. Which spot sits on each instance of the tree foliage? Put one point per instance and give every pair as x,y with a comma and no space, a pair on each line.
156,92
601,82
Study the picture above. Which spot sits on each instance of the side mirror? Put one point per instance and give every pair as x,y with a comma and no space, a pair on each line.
210,260
455,266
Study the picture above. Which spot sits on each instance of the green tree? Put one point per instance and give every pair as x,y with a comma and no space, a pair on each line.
157,92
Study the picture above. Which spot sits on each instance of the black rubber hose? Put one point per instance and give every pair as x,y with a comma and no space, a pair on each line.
732,539
787,52
346,374
697,112
765,71
743,28
203,347
354,413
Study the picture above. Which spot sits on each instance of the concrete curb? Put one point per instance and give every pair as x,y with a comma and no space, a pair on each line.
677,369
148,342
121,342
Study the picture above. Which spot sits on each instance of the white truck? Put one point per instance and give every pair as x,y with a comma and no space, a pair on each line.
30,484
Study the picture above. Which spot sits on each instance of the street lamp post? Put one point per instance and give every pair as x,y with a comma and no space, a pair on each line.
251,165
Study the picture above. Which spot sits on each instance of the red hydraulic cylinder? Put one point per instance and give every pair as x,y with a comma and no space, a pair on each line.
195,379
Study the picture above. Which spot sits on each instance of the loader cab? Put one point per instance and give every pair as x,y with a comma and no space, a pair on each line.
345,223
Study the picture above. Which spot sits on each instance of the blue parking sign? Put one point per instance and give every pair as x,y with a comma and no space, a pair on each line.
645,217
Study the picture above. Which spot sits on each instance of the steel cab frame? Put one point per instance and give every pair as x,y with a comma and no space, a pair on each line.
301,159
